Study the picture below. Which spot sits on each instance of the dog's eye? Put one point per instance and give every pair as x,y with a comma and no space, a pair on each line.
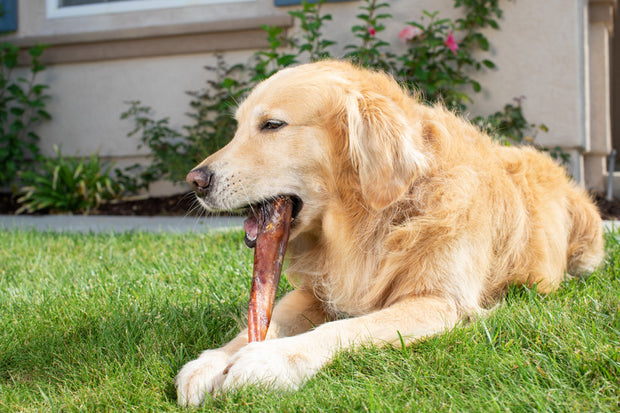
272,124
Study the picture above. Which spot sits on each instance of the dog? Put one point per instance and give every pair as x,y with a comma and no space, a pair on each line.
407,220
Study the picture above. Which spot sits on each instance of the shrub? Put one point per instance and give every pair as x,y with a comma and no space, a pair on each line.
174,153
22,106
67,184
437,65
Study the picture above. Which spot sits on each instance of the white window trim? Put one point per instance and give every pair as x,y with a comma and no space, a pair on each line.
54,11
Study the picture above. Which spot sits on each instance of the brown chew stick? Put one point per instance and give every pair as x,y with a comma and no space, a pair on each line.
271,240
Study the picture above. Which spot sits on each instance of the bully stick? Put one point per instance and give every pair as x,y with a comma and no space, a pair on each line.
273,230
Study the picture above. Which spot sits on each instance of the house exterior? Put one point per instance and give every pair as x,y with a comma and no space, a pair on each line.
103,53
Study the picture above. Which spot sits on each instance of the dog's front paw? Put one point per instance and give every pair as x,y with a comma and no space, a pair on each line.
200,376
279,364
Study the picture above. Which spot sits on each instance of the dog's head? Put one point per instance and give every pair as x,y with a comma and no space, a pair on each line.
316,132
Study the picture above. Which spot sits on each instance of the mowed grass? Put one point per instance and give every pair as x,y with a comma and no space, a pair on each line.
104,322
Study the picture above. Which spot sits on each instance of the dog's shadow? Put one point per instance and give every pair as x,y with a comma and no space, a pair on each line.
210,327
140,343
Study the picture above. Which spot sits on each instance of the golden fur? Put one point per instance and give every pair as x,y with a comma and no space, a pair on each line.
412,219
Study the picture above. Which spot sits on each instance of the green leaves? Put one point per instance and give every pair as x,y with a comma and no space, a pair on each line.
488,64
371,50
439,64
177,151
311,22
267,62
22,107
510,127
67,184
446,49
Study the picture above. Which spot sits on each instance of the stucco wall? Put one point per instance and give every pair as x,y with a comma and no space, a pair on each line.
88,98
540,54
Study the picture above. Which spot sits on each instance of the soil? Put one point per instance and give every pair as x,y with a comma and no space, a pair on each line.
608,209
185,205
174,205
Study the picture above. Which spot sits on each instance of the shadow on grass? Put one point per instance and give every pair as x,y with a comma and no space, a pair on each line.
132,345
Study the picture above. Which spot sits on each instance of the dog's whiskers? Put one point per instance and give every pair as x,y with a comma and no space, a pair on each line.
247,198
195,210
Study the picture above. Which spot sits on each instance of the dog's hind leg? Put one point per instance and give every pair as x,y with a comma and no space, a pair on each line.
585,244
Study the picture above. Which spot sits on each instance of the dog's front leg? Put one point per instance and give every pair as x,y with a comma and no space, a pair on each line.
288,362
201,376
295,313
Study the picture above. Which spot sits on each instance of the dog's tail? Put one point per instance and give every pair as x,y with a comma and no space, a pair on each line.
585,244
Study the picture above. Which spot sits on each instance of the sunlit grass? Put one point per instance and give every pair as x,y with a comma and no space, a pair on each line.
104,322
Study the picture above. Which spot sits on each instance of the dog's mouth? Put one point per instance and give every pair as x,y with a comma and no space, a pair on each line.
262,212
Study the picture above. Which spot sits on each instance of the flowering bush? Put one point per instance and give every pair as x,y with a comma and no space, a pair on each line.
451,44
437,65
409,33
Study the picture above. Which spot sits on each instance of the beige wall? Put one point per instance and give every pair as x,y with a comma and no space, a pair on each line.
88,98
540,53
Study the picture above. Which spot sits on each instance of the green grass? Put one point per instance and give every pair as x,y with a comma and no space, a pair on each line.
104,322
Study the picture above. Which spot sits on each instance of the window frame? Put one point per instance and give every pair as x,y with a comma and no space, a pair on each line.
53,9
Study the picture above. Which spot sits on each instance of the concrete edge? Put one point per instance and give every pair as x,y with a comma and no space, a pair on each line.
105,223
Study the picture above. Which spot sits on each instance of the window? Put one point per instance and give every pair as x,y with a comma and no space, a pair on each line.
8,17
69,8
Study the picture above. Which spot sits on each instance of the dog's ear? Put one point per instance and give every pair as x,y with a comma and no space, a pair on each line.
384,147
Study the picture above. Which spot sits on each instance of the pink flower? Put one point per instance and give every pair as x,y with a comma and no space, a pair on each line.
451,43
372,31
409,33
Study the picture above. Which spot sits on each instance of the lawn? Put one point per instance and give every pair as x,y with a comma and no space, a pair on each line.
104,322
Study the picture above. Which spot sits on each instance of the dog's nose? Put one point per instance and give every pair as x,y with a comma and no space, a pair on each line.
199,179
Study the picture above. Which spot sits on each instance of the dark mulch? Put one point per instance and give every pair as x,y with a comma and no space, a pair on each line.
174,205
608,209
180,205
8,205
185,205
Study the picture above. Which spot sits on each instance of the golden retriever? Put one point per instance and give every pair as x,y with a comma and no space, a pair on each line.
407,220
